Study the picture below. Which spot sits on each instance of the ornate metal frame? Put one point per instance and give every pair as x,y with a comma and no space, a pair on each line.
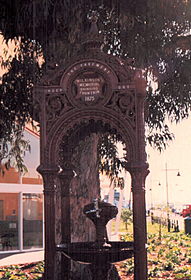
65,101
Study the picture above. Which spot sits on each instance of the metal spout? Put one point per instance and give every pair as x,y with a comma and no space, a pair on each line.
96,208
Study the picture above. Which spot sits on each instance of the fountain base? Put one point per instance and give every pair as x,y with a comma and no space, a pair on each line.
92,252
101,254
99,257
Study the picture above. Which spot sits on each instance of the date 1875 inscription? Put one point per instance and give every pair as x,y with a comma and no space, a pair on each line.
89,86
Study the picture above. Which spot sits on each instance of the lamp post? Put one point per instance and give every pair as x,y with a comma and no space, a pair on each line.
151,197
150,189
167,192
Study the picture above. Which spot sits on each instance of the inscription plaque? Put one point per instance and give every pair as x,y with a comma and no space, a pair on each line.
89,86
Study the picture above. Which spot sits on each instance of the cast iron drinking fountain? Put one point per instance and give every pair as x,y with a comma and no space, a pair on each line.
102,253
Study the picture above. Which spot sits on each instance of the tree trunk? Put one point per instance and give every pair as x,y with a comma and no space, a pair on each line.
85,186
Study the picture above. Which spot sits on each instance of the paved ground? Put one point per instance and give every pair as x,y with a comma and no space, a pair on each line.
21,258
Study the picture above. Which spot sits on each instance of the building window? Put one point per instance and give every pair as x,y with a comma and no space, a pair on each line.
9,209
21,219
32,220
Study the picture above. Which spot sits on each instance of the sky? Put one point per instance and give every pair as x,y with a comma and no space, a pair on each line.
177,156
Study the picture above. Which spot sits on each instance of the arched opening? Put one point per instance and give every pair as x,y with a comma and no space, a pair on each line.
79,150
85,143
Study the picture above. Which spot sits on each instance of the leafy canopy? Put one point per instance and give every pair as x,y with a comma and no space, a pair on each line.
156,34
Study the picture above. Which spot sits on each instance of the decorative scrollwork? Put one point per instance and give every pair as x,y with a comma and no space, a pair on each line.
124,103
71,133
56,105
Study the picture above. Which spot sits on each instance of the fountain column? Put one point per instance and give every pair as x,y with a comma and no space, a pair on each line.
138,175
65,178
49,175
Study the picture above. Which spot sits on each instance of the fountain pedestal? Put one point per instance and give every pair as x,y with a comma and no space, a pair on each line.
102,253
100,213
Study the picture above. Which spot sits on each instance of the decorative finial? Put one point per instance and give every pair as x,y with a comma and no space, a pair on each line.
93,18
93,40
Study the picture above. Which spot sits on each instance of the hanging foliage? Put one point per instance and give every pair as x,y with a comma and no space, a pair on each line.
15,103
108,158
